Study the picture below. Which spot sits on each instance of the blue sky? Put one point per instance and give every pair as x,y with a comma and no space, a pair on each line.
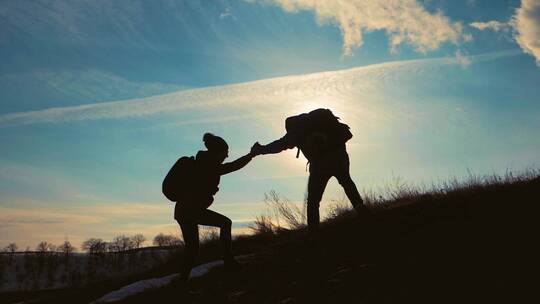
99,98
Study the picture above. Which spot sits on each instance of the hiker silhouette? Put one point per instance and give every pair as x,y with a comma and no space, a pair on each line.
321,138
192,184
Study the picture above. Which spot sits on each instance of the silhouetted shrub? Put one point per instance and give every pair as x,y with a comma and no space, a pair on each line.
279,210
283,209
262,225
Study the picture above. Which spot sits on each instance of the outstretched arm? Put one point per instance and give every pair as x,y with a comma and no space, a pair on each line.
286,142
236,164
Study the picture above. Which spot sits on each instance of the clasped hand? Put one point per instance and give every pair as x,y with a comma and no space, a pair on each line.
256,149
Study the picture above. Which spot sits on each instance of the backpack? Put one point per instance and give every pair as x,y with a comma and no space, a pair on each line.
317,130
177,184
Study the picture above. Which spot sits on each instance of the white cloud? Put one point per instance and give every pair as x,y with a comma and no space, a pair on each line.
526,22
405,21
525,25
491,25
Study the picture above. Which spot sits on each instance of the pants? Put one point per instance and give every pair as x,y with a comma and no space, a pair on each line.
189,220
337,165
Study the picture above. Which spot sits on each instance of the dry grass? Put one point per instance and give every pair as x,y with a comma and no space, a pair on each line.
281,214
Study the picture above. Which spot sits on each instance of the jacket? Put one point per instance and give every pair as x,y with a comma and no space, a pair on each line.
208,174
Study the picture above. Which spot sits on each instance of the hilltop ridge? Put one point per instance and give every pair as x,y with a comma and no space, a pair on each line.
465,242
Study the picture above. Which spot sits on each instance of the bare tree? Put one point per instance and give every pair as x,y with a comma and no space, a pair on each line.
11,248
166,240
122,243
110,247
93,246
51,247
138,240
160,239
208,234
43,247
66,248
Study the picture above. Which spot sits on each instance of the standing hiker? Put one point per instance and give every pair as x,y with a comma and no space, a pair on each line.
321,138
192,184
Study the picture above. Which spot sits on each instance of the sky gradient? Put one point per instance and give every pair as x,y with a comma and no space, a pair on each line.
99,98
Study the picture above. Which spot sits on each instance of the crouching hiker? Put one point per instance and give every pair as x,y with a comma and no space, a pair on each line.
192,184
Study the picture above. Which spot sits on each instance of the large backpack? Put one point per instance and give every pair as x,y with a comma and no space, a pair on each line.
319,122
178,182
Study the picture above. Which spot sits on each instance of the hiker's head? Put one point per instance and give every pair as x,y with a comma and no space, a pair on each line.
217,146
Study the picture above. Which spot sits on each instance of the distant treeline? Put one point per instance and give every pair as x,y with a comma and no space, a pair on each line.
96,245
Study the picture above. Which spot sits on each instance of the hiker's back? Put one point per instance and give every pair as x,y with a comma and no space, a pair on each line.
318,133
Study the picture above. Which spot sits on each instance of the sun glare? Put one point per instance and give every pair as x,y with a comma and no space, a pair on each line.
307,106
338,107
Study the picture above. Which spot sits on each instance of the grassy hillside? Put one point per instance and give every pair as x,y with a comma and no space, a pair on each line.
467,242
459,242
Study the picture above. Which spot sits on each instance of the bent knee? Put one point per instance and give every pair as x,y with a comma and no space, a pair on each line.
227,223
345,181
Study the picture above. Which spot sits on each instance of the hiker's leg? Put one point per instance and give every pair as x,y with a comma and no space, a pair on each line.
345,180
343,175
316,185
190,232
211,218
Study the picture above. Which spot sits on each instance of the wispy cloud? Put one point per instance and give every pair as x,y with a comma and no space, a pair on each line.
491,25
463,59
63,87
288,93
404,21
227,13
